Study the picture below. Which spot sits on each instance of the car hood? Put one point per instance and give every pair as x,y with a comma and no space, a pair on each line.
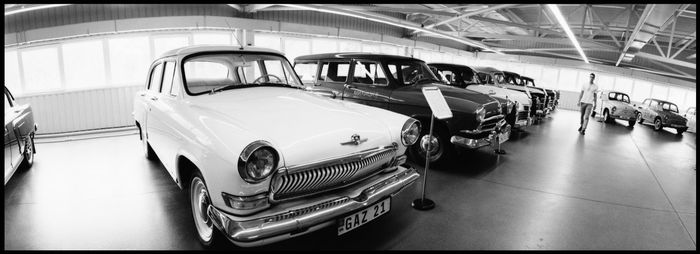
674,116
302,126
459,99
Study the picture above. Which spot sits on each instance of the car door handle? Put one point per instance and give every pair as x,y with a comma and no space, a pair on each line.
350,86
142,95
154,98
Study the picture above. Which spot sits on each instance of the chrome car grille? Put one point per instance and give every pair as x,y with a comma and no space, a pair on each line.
523,114
306,210
307,180
489,124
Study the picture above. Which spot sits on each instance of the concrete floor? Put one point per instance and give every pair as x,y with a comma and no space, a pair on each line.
614,188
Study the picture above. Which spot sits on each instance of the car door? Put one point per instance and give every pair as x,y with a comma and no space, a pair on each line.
625,107
161,126
368,84
643,108
332,76
651,110
151,95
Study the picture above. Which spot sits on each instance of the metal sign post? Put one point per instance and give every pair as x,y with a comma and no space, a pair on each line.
440,110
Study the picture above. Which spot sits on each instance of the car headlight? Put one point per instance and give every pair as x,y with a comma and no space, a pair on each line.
257,161
480,114
410,132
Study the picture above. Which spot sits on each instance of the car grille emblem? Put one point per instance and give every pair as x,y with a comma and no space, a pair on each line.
354,140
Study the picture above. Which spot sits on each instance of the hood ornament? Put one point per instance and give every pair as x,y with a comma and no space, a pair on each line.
354,140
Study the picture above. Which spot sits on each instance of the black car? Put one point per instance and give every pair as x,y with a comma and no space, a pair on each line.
395,83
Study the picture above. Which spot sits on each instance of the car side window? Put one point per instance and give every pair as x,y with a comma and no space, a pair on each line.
653,104
155,79
370,73
448,76
611,96
334,71
307,72
168,77
625,98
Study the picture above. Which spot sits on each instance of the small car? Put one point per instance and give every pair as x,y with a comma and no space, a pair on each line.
515,103
20,129
690,115
395,83
263,159
613,105
551,97
661,114
515,81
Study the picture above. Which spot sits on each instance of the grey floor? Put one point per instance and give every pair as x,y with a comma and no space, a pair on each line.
614,188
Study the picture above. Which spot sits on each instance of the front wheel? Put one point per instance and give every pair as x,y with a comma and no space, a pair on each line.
440,148
606,116
28,153
632,122
639,118
147,149
200,201
657,124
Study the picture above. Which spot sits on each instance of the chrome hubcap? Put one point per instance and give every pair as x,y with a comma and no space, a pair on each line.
657,124
200,204
435,149
30,150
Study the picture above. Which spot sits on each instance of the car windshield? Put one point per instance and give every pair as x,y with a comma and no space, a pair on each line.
669,107
408,73
213,72
512,79
456,76
528,82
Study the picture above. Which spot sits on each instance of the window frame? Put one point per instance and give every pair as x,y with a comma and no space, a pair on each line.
327,61
150,75
378,65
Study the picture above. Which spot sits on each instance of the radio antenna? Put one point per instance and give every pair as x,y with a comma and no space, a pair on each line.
234,34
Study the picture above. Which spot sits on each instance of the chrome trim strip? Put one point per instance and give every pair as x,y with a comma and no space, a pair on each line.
339,160
266,230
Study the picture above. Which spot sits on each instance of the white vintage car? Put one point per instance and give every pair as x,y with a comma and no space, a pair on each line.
613,105
263,159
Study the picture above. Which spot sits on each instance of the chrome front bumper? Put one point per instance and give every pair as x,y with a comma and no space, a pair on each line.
502,128
311,215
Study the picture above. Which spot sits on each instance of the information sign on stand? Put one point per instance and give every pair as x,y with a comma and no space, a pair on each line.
440,110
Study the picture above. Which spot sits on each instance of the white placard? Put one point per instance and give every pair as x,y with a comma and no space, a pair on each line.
437,103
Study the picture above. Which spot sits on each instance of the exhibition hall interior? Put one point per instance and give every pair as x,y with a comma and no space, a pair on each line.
387,126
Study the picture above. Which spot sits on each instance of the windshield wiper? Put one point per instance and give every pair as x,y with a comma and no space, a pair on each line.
280,84
221,88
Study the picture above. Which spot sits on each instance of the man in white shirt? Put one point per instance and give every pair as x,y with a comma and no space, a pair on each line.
586,100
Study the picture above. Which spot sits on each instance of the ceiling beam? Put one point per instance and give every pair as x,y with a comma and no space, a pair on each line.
661,52
683,48
390,21
666,60
251,8
605,24
472,13
635,31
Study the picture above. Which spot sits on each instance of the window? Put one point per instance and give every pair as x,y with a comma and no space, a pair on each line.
549,77
653,103
12,80
410,72
370,48
320,46
659,91
534,71
334,71
168,77
129,59
567,79
156,75
230,71
369,73
676,95
268,41
604,82
669,107
212,38
349,46
83,64
690,99
162,44
296,47
642,90
41,69
623,84
306,72
7,104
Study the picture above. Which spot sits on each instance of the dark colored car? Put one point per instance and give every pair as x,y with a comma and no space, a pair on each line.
661,114
465,77
19,136
551,98
539,97
395,83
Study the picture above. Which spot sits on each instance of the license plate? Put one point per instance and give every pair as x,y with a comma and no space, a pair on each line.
364,216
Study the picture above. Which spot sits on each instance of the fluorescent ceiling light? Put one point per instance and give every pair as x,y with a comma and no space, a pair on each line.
562,22
33,8
367,16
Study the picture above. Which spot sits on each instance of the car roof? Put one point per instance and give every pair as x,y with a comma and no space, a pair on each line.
511,73
485,69
453,65
346,55
662,101
212,47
